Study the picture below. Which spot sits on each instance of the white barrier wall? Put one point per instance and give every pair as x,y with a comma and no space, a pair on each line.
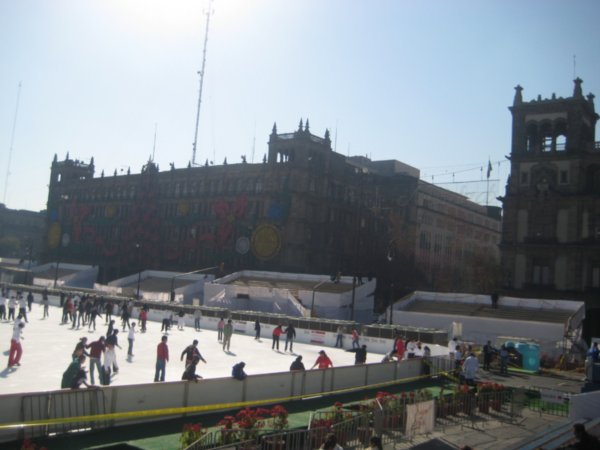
276,387
584,406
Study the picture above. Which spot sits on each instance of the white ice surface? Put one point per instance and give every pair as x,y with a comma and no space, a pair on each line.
48,345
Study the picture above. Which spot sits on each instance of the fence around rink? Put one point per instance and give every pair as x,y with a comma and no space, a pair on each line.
29,414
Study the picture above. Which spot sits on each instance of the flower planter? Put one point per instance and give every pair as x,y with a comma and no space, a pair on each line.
392,422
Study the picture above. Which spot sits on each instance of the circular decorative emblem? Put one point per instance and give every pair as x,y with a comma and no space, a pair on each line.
266,241
54,235
242,245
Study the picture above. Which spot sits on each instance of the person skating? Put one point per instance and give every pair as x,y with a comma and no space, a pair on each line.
191,352
189,373
71,372
16,350
355,338
3,307
181,320
290,335
238,372
166,323
220,328
23,307
227,333
112,343
80,348
29,300
131,339
297,364
339,337
45,303
277,332
360,356
322,361
12,305
110,329
162,357
125,316
143,319
93,315
96,350
197,317
256,330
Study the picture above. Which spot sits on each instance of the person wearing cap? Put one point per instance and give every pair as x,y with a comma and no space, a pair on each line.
322,361
191,352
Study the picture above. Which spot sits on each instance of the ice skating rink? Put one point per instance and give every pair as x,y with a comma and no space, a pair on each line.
48,345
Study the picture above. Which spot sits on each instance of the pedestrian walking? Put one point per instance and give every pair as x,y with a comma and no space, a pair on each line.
488,353
227,333
162,357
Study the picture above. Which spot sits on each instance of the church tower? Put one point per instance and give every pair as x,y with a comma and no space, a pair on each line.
551,228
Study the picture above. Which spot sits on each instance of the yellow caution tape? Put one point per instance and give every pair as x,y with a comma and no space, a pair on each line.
196,409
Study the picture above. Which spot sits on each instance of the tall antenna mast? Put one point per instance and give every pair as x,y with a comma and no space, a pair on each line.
12,139
201,73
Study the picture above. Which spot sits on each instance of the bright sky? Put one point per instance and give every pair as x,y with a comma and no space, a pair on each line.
424,82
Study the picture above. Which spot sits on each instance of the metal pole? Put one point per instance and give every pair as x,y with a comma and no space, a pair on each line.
137,295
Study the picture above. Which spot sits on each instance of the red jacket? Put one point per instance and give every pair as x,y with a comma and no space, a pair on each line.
162,351
277,331
324,362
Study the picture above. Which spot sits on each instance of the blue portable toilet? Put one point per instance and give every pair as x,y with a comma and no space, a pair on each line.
531,357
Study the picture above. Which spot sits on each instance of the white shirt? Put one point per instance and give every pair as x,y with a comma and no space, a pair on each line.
411,347
470,367
131,334
17,334
12,303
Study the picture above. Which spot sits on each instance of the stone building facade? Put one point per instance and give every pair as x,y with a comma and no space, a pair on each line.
305,208
551,228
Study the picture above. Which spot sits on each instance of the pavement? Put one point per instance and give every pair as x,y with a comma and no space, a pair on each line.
498,434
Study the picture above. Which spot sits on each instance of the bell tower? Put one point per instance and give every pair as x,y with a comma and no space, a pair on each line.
551,225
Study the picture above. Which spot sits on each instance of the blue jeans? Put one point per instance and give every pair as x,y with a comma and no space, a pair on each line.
94,363
161,365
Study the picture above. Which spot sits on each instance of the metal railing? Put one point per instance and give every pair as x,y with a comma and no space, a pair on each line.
59,404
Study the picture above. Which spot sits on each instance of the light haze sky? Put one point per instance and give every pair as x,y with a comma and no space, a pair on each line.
424,82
